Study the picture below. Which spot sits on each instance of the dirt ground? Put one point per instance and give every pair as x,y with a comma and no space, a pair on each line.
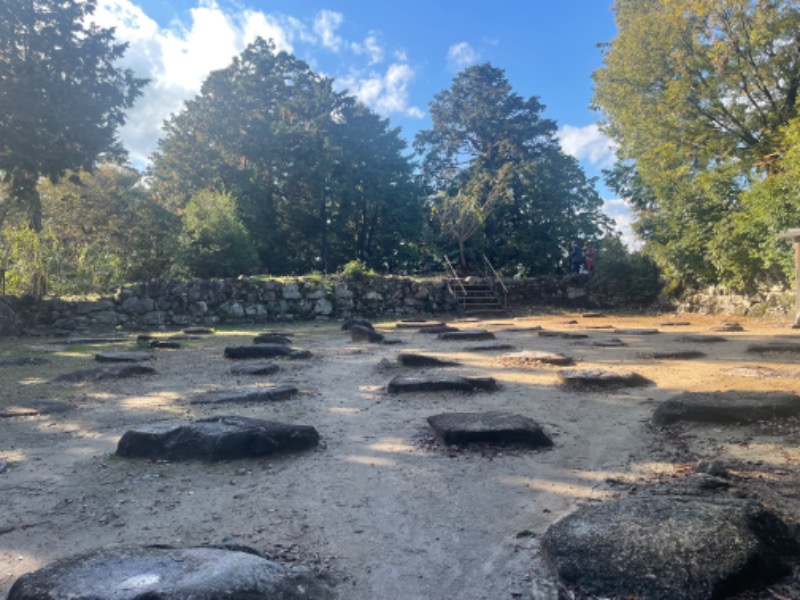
380,507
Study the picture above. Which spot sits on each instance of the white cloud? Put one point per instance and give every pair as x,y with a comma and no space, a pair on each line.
371,47
325,25
587,143
460,56
385,93
618,210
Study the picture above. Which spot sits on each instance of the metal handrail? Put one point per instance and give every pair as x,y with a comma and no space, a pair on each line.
497,281
454,277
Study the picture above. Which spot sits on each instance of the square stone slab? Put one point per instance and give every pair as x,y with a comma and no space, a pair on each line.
488,428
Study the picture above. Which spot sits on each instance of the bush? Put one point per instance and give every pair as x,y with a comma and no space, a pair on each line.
633,278
357,269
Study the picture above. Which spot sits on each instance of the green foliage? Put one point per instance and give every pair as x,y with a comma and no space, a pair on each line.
497,179
357,269
61,99
696,94
632,277
214,242
319,177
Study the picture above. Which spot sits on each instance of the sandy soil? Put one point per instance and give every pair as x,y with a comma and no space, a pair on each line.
379,506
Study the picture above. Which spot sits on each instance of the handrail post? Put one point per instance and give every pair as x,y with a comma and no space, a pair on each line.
497,281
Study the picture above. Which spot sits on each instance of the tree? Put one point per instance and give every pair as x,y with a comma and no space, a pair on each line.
320,179
61,98
695,94
493,165
214,241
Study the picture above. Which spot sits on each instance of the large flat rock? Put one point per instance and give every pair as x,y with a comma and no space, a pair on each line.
599,378
467,335
410,359
440,383
256,394
123,357
132,573
784,347
534,358
264,351
726,407
32,408
217,438
122,371
488,428
359,333
669,547
262,368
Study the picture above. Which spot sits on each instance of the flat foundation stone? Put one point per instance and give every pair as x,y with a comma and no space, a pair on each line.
564,335
534,358
359,333
272,338
123,357
726,407
215,439
437,329
122,371
593,378
784,347
261,394
408,359
264,351
23,361
488,428
415,324
467,335
668,547
133,573
489,348
636,331
404,385
702,339
266,368
32,408
677,355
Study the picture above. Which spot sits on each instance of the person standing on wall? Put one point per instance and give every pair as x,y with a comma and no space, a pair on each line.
575,258
589,252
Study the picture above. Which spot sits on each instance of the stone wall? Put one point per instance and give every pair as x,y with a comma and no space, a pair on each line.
768,303
162,303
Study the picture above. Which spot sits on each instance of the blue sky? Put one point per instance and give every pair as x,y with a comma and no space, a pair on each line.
394,56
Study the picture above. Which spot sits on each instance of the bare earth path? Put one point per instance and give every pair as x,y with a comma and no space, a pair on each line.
379,506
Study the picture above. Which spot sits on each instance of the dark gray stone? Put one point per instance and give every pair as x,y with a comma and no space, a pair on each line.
674,324
102,373
421,360
363,334
726,407
357,321
441,383
165,344
414,324
261,394
437,329
488,428
489,348
257,351
31,408
609,343
94,341
677,355
535,358
131,573
467,335
593,315
636,331
594,378
123,357
728,327
702,339
272,338
784,347
266,368
565,335
198,331
669,547
217,438
23,361
522,329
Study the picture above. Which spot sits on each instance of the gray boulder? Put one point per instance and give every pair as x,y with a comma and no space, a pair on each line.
669,547
488,427
131,573
441,383
123,357
534,358
272,338
264,368
599,378
358,333
726,407
122,371
260,394
408,359
264,351
217,438
467,335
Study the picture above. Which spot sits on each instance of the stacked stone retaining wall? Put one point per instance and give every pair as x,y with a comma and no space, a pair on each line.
172,303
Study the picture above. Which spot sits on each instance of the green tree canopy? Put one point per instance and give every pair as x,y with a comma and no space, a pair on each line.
321,180
61,97
493,166
695,93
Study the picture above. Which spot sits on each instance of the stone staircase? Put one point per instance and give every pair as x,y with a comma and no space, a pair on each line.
475,297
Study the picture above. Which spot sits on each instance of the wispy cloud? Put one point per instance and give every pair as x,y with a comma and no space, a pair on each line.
618,210
325,25
387,93
460,56
587,143
178,57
